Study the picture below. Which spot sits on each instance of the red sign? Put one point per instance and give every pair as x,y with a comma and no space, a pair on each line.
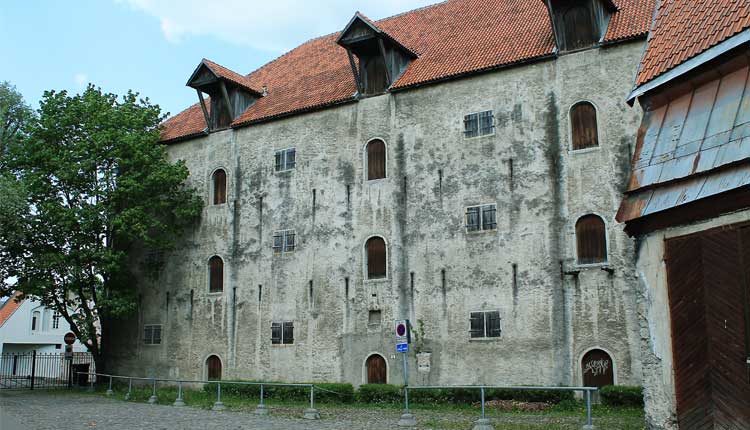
69,338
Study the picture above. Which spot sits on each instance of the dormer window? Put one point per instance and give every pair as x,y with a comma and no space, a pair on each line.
579,24
229,94
380,59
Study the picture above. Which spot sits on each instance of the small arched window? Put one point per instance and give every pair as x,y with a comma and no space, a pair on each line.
376,258
579,28
376,160
583,126
220,187
36,320
213,368
591,239
216,275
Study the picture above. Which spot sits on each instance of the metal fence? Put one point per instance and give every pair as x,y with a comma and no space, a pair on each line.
32,370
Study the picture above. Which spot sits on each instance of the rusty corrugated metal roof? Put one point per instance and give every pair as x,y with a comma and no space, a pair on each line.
695,146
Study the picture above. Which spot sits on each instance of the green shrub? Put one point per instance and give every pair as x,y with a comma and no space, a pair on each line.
621,395
324,393
379,393
469,396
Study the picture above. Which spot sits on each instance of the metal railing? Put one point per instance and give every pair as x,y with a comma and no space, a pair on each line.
36,370
310,413
407,420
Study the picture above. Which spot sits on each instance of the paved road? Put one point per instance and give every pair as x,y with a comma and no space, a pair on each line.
43,411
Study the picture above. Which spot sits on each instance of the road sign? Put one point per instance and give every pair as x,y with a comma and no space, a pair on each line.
402,335
69,338
402,347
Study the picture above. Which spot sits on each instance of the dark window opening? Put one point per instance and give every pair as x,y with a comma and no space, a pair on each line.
285,159
376,258
376,156
479,124
583,126
152,334
213,366
284,241
591,240
216,275
484,324
220,187
282,333
482,217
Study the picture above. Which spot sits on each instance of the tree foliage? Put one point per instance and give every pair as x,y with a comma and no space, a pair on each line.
99,191
14,115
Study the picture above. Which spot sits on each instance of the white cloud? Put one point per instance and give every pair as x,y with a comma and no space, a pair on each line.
276,25
81,79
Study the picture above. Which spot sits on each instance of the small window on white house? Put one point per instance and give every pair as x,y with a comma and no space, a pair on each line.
152,334
286,159
482,217
282,333
56,320
484,324
284,241
479,124
35,320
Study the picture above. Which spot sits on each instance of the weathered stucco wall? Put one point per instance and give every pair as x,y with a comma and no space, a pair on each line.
551,315
656,329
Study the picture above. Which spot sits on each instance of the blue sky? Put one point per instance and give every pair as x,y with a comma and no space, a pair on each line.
152,46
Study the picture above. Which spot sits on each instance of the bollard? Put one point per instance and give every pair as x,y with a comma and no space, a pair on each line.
109,389
407,419
589,424
130,389
261,408
312,413
482,423
218,406
153,399
179,402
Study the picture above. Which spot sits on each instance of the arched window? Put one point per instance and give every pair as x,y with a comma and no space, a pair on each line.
376,258
216,275
220,187
591,239
213,368
376,160
376,369
579,28
597,369
583,126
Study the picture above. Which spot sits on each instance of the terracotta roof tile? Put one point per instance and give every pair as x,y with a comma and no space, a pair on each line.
10,307
686,28
451,38
236,78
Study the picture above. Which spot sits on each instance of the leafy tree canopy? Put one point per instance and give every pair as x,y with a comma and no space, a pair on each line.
14,115
98,191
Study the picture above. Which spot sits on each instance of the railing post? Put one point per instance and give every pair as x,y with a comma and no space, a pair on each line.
130,389
482,423
312,413
33,368
589,423
179,402
218,405
407,419
261,408
109,389
91,382
153,399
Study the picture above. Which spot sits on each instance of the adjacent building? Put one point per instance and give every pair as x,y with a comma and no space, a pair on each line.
688,205
458,165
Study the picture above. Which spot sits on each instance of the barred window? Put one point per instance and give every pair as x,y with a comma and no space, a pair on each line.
284,241
282,333
479,124
152,334
285,159
484,324
482,217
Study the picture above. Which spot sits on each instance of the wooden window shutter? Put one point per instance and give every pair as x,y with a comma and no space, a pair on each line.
493,324
376,160
579,28
288,335
591,239
476,324
276,333
220,187
583,126
216,278
376,258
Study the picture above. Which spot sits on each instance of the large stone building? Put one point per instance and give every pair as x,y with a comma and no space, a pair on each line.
458,165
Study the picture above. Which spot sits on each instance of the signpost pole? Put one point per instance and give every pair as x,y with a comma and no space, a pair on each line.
402,345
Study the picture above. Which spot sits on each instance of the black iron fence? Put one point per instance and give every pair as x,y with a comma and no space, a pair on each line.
32,370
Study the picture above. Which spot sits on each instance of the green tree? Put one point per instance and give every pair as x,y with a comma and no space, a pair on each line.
100,193
14,115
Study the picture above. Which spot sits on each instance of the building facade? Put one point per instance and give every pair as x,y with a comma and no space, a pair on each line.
479,205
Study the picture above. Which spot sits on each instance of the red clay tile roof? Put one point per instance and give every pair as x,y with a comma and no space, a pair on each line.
9,307
685,28
451,38
234,77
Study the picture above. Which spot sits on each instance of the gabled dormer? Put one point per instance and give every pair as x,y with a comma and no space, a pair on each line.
230,93
380,58
579,24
